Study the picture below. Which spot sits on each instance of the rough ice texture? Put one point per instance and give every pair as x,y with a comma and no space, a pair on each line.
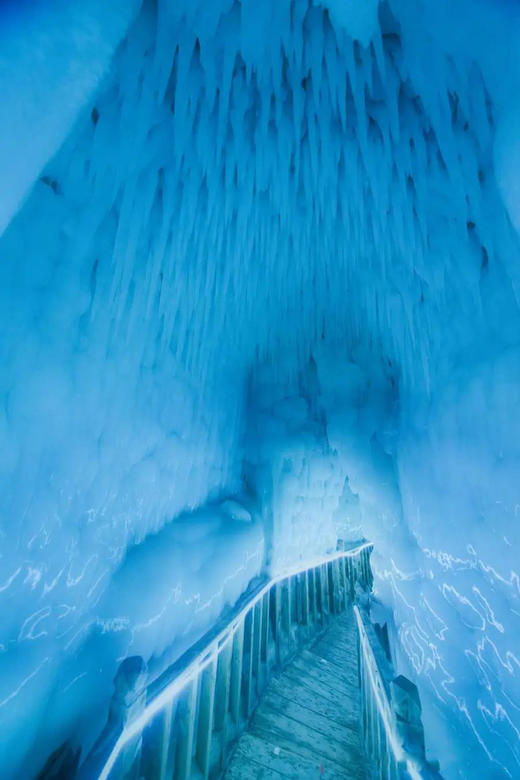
253,183
53,54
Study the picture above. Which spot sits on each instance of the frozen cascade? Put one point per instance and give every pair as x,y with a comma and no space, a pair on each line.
258,287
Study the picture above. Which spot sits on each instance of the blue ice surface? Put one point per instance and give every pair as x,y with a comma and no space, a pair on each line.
259,289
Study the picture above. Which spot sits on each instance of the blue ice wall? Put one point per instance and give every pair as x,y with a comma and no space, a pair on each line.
53,55
197,197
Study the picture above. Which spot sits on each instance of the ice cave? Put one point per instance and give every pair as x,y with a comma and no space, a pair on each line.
259,297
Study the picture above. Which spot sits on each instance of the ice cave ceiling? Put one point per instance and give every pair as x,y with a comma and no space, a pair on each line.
259,275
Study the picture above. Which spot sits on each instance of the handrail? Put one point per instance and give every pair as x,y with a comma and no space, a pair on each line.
391,711
265,629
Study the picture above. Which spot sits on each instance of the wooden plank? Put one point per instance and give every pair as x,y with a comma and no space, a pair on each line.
346,619
303,740
288,764
336,710
341,637
345,658
323,673
340,658
345,669
346,672
250,770
337,696
273,702
344,628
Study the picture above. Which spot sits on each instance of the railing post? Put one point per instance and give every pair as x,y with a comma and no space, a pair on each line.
350,578
286,616
222,696
304,582
236,673
264,642
157,754
311,595
343,582
341,589
205,724
257,642
294,601
247,674
316,589
325,604
276,621
366,567
185,727
356,572
336,599
332,589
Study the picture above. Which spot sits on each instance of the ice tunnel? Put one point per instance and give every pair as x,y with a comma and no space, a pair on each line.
260,277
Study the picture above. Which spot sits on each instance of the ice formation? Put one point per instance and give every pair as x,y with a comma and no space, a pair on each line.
258,288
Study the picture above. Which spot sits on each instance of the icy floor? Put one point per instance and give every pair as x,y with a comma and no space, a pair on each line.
266,250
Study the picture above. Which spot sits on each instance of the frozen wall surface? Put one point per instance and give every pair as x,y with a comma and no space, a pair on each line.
259,289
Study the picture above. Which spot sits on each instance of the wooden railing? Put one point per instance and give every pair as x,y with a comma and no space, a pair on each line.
391,720
184,723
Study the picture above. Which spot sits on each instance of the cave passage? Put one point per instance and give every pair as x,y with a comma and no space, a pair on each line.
259,292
